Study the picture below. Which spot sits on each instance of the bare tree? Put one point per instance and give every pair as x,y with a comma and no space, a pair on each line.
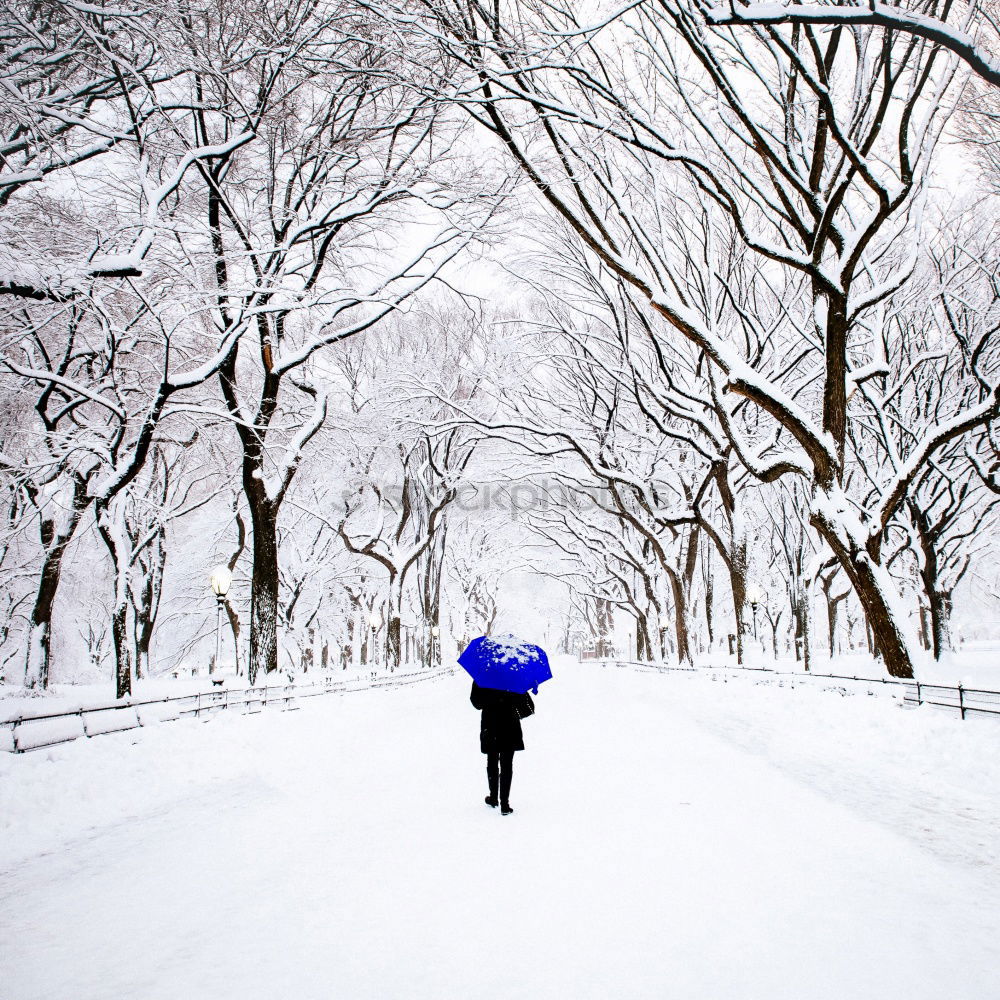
133,525
302,229
100,373
812,147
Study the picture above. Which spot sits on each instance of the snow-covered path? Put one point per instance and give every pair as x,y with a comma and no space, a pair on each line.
344,851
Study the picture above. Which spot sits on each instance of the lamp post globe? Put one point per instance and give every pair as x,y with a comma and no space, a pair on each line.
221,580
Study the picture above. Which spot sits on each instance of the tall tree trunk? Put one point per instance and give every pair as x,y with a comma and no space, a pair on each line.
263,656
738,565
435,619
306,659
684,588
264,586
925,626
112,528
709,585
146,604
604,619
431,594
355,630
122,646
870,581
799,601
832,614
677,591
39,651
143,638
55,533
941,606
348,651
690,569
736,558
938,600
643,647
232,615
393,646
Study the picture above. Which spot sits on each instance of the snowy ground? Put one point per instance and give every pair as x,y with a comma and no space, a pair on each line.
673,837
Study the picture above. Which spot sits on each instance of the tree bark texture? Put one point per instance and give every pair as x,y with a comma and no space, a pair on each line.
870,583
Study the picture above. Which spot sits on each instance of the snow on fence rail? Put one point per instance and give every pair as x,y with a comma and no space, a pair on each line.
966,701
34,732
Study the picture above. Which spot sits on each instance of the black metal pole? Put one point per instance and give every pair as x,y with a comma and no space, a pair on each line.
218,632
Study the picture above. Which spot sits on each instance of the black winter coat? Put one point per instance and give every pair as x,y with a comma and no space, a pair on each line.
500,729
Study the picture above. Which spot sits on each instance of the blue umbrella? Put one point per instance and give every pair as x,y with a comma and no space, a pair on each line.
505,663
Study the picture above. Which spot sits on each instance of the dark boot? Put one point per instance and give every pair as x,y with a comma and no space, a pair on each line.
493,777
506,774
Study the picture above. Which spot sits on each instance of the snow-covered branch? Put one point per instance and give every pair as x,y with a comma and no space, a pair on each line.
866,12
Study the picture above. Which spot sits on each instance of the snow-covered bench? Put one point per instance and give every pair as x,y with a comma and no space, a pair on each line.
110,720
32,734
158,712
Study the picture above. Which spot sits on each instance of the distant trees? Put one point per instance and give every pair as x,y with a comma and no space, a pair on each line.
481,554
406,469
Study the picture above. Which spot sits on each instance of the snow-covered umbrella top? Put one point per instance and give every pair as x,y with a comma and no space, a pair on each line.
505,663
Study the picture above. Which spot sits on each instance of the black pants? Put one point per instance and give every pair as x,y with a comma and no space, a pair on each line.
499,771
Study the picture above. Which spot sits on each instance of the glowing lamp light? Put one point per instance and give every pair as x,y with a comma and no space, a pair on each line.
221,580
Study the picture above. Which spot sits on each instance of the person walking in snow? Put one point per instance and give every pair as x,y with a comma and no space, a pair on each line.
500,738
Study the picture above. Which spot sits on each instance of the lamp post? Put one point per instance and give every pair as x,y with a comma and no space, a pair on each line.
665,624
221,580
754,596
375,621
